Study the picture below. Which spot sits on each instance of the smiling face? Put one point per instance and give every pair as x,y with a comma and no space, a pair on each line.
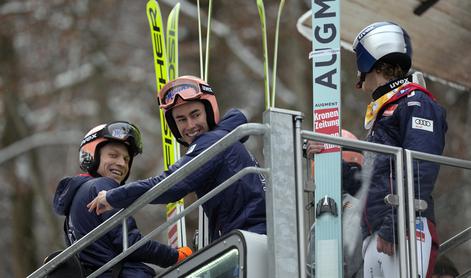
190,119
114,161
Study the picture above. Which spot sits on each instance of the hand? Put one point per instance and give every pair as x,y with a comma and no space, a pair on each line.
383,246
313,148
183,253
99,204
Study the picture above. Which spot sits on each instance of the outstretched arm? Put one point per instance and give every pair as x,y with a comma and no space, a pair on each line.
99,204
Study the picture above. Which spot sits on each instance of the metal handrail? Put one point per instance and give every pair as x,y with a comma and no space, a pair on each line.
444,160
466,274
375,147
174,219
228,140
409,159
409,155
455,240
406,269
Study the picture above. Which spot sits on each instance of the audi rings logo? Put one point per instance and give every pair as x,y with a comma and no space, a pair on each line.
423,124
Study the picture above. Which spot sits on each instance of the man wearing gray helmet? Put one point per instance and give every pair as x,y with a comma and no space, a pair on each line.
402,114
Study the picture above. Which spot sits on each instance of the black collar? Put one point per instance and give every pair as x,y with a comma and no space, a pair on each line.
391,85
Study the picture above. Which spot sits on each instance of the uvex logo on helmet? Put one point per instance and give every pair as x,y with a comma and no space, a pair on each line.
88,138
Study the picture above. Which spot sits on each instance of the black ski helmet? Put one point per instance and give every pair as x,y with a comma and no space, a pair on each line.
97,137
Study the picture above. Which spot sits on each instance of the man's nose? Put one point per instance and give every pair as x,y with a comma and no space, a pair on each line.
190,123
121,161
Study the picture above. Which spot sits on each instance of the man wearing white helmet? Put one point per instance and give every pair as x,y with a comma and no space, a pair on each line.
192,114
403,114
106,154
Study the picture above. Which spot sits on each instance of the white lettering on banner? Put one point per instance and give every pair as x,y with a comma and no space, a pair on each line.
423,124
324,124
326,115
327,121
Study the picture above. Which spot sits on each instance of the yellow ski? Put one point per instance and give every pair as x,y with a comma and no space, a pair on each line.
164,71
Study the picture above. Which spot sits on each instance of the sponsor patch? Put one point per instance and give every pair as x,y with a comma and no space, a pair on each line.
423,124
419,230
390,110
191,149
414,103
411,94
420,235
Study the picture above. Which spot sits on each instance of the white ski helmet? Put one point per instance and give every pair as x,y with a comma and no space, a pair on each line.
97,137
183,89
382,41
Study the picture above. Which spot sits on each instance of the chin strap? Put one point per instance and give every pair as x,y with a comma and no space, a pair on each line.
361,79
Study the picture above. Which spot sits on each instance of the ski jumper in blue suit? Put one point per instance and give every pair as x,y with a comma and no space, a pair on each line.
71,198
241,206
406,115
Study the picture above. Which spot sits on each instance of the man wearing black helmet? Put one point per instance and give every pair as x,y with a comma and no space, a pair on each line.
106,154
192,114
403,114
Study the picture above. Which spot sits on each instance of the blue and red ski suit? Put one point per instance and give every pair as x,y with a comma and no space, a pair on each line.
411,119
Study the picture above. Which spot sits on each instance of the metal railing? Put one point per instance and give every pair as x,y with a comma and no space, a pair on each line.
286,239
454,242
398,154
409,159
407,252
154,192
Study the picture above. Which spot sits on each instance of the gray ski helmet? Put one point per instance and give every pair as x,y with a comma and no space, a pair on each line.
385,41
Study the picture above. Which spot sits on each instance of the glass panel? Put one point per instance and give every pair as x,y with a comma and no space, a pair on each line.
224,266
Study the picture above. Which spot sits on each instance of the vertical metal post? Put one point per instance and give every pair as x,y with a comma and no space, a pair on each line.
299,193
411,213
203,229
401,217
283,255
125,233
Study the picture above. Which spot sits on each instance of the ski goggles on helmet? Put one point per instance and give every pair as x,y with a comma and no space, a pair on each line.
186,89
119,131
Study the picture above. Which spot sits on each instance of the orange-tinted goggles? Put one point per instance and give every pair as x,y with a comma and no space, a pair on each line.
187,91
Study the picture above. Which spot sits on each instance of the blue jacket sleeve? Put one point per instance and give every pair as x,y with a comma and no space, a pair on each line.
125,195
151,252
422,127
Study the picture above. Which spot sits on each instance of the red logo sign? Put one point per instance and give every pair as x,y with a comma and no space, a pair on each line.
326,121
